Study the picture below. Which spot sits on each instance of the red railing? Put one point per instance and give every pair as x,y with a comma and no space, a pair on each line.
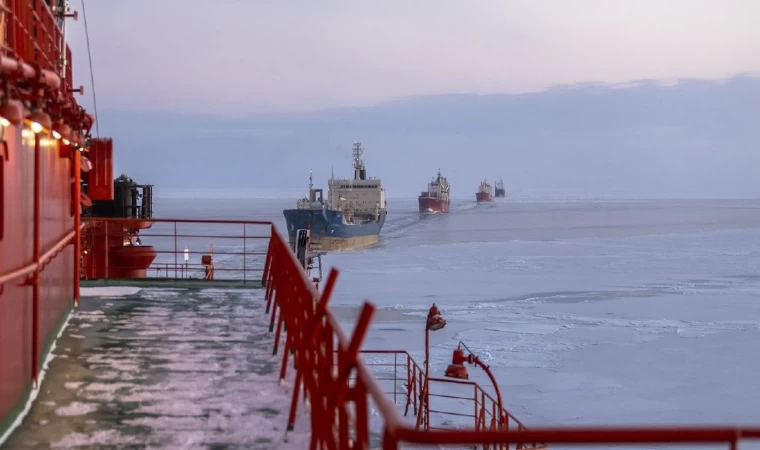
457,404
341,388
237,248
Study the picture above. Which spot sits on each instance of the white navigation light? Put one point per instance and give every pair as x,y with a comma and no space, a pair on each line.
187,255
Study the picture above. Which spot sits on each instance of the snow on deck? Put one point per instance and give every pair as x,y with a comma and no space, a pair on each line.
164,368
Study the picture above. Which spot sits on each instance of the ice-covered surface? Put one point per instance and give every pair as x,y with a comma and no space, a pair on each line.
160,368
588,313
108,291
35,389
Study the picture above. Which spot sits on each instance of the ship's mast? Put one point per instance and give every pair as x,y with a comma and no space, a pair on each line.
359,170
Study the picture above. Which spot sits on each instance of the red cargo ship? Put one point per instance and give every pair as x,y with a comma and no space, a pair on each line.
484,192
437,198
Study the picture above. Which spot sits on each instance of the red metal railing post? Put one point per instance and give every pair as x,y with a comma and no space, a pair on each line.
475,397
268,260
105,250
482,423
75,160
36,256
427,378
411,387
408,380
270,285
244,252
175,251
395,369
274,299
389,440
347,361
310,334
280,318
362,413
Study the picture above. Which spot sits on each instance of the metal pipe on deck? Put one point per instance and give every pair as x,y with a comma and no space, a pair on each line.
11,66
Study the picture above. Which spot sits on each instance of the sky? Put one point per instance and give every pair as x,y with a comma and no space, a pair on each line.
357,65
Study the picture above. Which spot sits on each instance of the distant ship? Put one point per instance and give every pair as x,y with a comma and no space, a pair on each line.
500,188
352,217
484,192
437,198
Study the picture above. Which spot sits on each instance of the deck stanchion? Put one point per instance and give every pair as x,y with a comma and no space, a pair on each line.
175,251
245,252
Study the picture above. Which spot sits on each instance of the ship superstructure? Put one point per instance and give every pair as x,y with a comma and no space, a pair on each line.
352,215
437,198
484,192
500,192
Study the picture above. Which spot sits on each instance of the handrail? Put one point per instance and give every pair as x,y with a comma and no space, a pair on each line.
412,374
44,259
289,291
156,220
237,253
584,435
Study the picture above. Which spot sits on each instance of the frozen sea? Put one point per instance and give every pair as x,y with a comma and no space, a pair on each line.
589,311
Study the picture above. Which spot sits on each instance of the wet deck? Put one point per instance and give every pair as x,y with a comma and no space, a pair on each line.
162,368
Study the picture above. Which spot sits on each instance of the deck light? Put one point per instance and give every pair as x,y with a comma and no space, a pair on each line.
435,322
457,370
39,121
61,131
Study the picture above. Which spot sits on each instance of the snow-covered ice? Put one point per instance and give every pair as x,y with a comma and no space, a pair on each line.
192,370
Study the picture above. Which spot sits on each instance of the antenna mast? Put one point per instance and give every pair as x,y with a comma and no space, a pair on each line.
358,150
360,173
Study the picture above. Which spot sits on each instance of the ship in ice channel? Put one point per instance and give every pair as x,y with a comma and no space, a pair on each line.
352,216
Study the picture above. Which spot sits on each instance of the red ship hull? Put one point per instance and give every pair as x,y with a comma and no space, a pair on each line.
483,197
433,205
45,136
34,173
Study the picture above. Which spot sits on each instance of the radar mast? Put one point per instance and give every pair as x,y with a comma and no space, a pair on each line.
360,173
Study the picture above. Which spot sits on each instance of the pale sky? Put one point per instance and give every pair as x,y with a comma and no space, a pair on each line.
246,56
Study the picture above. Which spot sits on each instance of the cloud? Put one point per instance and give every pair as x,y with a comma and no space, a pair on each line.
240,57
695,137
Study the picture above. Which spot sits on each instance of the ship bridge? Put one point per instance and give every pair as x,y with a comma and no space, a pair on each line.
362,195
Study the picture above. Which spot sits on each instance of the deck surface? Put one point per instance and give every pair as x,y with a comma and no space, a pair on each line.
162,368
181,283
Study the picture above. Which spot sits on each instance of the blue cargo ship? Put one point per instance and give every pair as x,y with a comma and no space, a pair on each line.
350,218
